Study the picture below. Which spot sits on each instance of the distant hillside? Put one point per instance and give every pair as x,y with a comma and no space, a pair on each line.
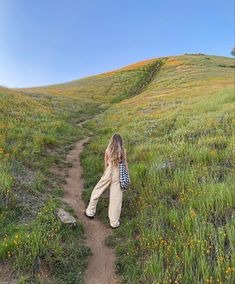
104,88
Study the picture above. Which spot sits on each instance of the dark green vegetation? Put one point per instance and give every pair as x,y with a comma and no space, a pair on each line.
176,116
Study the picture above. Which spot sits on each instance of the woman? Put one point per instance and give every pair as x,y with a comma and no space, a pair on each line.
112,157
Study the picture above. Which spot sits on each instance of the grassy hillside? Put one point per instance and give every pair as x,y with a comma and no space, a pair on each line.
37,128
176,116
33,134
106,88
178,217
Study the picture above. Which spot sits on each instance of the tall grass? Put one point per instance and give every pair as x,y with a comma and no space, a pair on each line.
31,130
179,214
37,128
176,115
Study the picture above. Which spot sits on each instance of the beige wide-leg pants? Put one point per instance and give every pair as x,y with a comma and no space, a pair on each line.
110,177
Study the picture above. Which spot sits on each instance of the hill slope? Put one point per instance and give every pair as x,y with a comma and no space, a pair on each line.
175,115
37,129
179,214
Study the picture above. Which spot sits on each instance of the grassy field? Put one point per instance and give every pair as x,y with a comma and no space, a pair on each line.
178,217
38,126
33,135
176,115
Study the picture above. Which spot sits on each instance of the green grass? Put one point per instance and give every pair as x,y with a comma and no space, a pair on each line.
33,136
178,216
176,115
37,129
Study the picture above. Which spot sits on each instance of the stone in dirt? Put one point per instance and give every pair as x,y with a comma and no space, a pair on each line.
65,217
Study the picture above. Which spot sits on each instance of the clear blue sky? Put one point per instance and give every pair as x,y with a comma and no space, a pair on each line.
51,41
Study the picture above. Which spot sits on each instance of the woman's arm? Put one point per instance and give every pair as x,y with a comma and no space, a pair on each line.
105,159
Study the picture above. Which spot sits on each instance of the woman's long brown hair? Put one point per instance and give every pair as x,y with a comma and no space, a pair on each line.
115,148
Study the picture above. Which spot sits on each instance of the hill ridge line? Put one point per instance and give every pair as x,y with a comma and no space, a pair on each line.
143,83
156,68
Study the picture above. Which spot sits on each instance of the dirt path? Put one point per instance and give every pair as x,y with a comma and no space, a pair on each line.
101,269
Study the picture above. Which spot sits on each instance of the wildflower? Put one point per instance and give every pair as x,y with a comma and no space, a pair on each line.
192,213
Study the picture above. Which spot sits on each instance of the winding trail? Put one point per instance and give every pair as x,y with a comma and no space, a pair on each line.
101,268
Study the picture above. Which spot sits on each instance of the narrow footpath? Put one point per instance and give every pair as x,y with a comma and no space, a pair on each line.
101,268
